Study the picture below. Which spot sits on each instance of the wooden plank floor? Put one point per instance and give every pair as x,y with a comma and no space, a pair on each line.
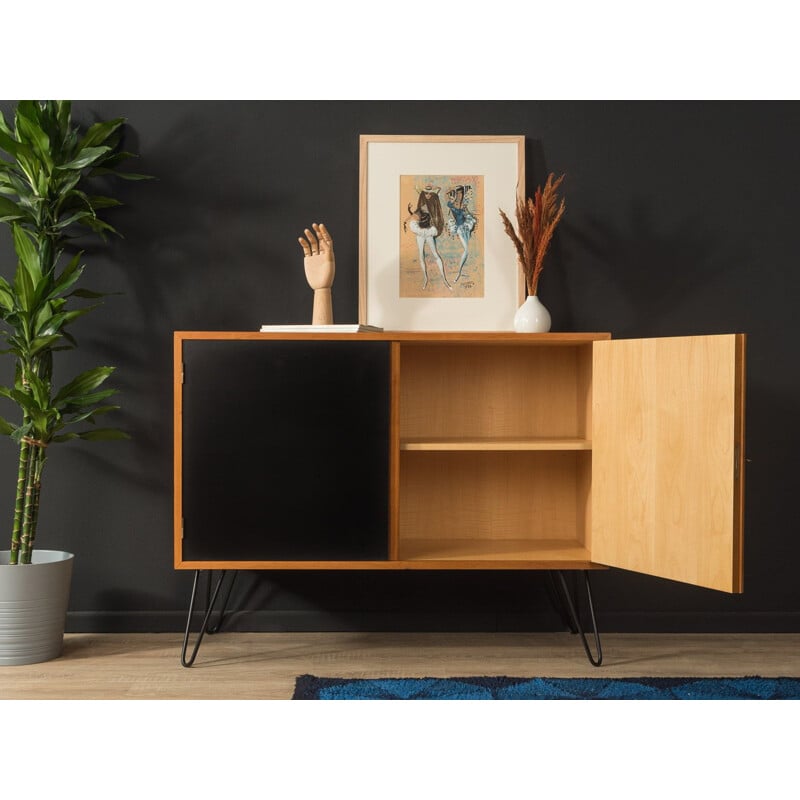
253,666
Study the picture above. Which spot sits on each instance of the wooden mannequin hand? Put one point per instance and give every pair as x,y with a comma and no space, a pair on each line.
320,266
320,263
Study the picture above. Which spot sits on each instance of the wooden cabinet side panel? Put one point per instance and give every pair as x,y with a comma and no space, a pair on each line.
394,452
665,429
584,376
177,449
739,467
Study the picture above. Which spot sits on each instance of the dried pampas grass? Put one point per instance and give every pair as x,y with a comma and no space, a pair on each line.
537,218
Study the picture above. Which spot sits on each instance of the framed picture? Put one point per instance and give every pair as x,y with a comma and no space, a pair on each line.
433,254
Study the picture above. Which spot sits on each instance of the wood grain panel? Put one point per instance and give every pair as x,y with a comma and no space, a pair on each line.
545,551
494,443
739,454
394,451
489,391
411,337
664,435
583,367
177,449
490,496
261,665
473,555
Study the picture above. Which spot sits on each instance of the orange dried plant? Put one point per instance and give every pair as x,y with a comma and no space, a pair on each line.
537,218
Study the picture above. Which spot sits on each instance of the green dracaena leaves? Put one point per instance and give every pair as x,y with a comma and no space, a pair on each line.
46,169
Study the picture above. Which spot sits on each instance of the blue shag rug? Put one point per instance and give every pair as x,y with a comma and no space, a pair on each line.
310,687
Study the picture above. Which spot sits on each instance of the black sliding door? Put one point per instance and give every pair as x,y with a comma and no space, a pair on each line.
285,450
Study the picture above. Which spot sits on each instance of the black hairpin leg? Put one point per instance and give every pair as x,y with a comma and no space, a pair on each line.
215,629
556,596
577,622
211,599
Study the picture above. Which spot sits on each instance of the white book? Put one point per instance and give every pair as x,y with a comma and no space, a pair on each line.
345,328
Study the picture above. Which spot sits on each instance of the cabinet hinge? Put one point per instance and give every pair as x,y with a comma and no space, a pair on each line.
737,451
181,528
183,373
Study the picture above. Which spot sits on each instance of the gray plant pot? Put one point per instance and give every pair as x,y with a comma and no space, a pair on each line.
33,607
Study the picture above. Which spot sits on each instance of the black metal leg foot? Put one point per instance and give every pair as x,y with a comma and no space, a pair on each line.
204,627
576,619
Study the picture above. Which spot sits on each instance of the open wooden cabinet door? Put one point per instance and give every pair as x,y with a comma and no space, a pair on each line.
668,458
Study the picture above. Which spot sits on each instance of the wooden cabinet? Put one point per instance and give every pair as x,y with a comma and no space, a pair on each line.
460,451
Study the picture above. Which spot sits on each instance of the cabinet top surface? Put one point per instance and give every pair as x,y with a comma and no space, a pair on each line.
455,337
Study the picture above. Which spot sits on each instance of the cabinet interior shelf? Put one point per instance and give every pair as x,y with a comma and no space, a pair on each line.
490,550
494,443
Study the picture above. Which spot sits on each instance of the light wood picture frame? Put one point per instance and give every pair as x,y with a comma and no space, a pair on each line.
433,254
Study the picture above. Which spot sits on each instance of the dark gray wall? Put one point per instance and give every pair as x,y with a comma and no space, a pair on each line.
681,219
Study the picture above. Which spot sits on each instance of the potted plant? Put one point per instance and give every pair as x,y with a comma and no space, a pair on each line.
537,218
48,168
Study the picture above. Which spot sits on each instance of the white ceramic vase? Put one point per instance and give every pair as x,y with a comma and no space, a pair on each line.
532,316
